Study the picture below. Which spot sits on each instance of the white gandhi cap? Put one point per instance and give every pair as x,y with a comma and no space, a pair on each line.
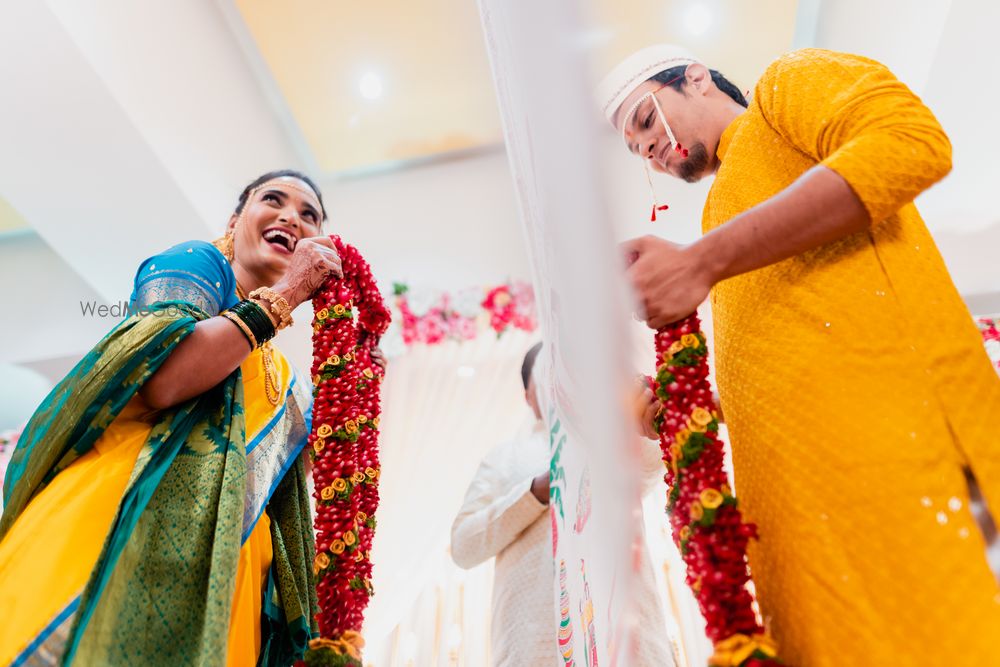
634,70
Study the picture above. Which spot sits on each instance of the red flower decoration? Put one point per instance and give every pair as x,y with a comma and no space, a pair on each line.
706,522
350,318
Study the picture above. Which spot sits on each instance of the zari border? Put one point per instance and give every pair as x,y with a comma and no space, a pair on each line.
272,452
46,649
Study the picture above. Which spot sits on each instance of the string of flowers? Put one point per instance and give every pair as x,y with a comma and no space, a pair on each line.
350,316
706,522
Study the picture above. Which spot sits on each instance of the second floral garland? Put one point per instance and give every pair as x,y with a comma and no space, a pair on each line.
706,522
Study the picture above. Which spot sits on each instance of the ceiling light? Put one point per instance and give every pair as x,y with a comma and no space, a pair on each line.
698,19
370,86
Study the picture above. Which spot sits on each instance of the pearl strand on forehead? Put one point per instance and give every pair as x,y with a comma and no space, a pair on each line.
288,184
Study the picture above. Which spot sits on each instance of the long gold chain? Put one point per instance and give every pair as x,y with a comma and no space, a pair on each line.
272,382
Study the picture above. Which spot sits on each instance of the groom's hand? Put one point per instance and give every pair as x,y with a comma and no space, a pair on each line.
540,487
670,280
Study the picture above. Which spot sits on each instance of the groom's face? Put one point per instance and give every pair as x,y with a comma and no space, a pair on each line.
660,112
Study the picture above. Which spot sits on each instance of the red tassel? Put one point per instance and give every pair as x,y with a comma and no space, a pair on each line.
684,153
652,218
678,148
662,208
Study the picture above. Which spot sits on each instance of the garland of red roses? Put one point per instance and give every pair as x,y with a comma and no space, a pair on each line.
704,516
344,450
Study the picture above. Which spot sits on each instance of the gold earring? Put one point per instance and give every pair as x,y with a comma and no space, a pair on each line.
225,245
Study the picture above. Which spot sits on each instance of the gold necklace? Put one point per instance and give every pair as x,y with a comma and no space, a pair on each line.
272,383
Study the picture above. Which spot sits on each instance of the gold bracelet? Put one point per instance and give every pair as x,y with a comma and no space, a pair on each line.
235,319
279,306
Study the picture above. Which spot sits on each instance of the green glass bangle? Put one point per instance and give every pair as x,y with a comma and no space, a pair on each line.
256,319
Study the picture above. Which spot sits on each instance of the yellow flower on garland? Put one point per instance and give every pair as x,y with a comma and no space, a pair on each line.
339,309
324,431
350,539
675,452
358,556
371,473
318,445
354,643
338,547
726,491
696,511
690,340
735,649
358,477
682,437
339,485
323,314
711,499
361,517
675,347
362,419
368,373
696,428
333,360
327,493
701,416
316,379
696,586
322,561
348,357
685,532
375,422
322,642
351,426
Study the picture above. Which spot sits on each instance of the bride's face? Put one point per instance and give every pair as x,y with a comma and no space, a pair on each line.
276,216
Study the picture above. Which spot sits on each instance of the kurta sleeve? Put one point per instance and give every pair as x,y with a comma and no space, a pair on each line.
852,115
495,511
193,272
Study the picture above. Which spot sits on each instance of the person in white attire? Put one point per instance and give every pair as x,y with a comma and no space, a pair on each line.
504,516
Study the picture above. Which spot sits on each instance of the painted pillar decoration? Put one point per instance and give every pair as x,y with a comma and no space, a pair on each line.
350,316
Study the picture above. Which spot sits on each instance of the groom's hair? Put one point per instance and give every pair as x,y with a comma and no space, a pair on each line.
529,363
674,77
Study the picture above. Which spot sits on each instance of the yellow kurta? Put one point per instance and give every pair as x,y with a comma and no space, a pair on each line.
48,555
855,385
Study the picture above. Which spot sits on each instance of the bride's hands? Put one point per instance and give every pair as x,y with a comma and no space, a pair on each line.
380,360
647,408
313,260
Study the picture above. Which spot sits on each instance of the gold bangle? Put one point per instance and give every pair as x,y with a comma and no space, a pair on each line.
279,305
235,319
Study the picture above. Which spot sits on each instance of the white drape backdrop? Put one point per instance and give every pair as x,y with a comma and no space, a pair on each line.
444,407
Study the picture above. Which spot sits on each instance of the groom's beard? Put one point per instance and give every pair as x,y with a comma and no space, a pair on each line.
695,165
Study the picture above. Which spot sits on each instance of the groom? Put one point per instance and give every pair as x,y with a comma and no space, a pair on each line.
857,393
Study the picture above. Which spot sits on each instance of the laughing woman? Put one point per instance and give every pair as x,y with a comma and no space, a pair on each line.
155,510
